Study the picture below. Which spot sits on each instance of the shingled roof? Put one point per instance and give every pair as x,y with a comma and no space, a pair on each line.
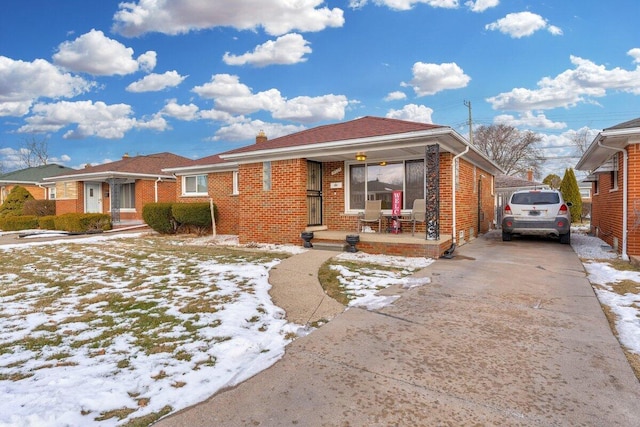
151,165
363,127
34,175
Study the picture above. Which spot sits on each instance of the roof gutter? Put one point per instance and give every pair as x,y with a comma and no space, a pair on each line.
625,178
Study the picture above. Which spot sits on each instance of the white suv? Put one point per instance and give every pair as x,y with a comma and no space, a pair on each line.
537,212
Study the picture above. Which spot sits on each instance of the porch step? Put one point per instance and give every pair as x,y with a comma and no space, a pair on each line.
329,246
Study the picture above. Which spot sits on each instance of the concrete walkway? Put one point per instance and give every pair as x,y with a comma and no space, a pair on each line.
506,334
296,289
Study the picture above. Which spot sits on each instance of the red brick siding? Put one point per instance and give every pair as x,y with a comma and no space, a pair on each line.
606,210
278,215
220,189
38,193
467,201
633,244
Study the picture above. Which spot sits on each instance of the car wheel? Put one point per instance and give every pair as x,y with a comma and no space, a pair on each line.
565,239
506,237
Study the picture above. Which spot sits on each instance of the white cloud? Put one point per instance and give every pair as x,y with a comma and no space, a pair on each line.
156,82
481,5
570,87
285,50
306,109
96,54
21,83
395,96
233,97
429,79
405,4
156,123
528,120
635,54
412,112
181,112
243,130
91,119
522,24
182,16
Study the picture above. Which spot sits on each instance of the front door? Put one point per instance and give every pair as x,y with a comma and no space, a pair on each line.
92,197
314,193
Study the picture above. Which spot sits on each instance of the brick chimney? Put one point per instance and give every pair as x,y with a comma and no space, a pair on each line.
530,175
125,156
261,137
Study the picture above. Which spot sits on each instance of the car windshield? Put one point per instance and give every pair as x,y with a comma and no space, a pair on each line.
535,198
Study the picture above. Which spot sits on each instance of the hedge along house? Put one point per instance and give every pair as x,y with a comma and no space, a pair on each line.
319,179
33,180
613,160
119,188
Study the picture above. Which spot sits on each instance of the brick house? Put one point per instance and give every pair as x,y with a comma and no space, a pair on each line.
318,180
119,188
613,160
32,179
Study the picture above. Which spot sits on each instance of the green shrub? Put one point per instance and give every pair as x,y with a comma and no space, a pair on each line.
81,223
14,203
571,193
39,207
158,216
17,223
193,214
47,222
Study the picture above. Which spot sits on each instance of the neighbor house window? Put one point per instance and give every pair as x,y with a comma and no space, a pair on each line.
234,183
266,176
128,196
372,181
194,185
51,193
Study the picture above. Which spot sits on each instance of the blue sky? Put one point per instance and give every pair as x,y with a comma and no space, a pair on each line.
197,77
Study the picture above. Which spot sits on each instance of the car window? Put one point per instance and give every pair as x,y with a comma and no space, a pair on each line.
535,199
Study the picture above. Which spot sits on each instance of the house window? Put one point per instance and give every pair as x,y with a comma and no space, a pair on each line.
128,196
234,183
194,185
51,193
266,176
614,172
372,181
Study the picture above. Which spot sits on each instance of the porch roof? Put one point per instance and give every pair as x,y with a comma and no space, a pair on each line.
600,150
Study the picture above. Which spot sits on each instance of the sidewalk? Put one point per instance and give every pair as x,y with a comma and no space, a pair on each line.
504,335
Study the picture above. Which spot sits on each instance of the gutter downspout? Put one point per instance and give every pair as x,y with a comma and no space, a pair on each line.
625,168
453,192
155,188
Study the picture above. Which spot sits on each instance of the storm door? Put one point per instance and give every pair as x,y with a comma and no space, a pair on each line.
92,197
314,193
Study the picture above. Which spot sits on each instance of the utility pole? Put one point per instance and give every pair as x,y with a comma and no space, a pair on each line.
468,105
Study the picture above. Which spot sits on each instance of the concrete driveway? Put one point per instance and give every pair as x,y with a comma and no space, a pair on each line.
507,333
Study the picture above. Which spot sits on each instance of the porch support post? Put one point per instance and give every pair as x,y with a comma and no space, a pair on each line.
115,185
432,191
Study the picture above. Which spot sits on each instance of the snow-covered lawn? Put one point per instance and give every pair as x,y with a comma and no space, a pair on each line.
105,331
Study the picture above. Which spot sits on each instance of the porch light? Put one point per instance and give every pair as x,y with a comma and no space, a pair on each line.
361,157
383,163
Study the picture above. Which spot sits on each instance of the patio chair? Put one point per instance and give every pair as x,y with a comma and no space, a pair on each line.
372,214
418,214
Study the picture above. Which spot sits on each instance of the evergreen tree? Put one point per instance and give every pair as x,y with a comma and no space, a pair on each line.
14,203
571,193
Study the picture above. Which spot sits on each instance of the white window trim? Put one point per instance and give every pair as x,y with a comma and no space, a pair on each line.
195,193
235,183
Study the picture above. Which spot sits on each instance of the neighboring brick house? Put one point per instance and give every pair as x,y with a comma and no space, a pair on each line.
613,160
32,179
319,179
119,188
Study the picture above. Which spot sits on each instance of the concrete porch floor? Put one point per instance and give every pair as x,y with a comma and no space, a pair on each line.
402,244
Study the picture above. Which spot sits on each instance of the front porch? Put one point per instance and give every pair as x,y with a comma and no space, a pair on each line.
401,244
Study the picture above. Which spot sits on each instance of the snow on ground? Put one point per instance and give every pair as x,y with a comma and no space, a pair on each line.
81,372
72,384
594,253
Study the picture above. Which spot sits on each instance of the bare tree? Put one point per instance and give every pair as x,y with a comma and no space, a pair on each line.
513,150
34,151
582,139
